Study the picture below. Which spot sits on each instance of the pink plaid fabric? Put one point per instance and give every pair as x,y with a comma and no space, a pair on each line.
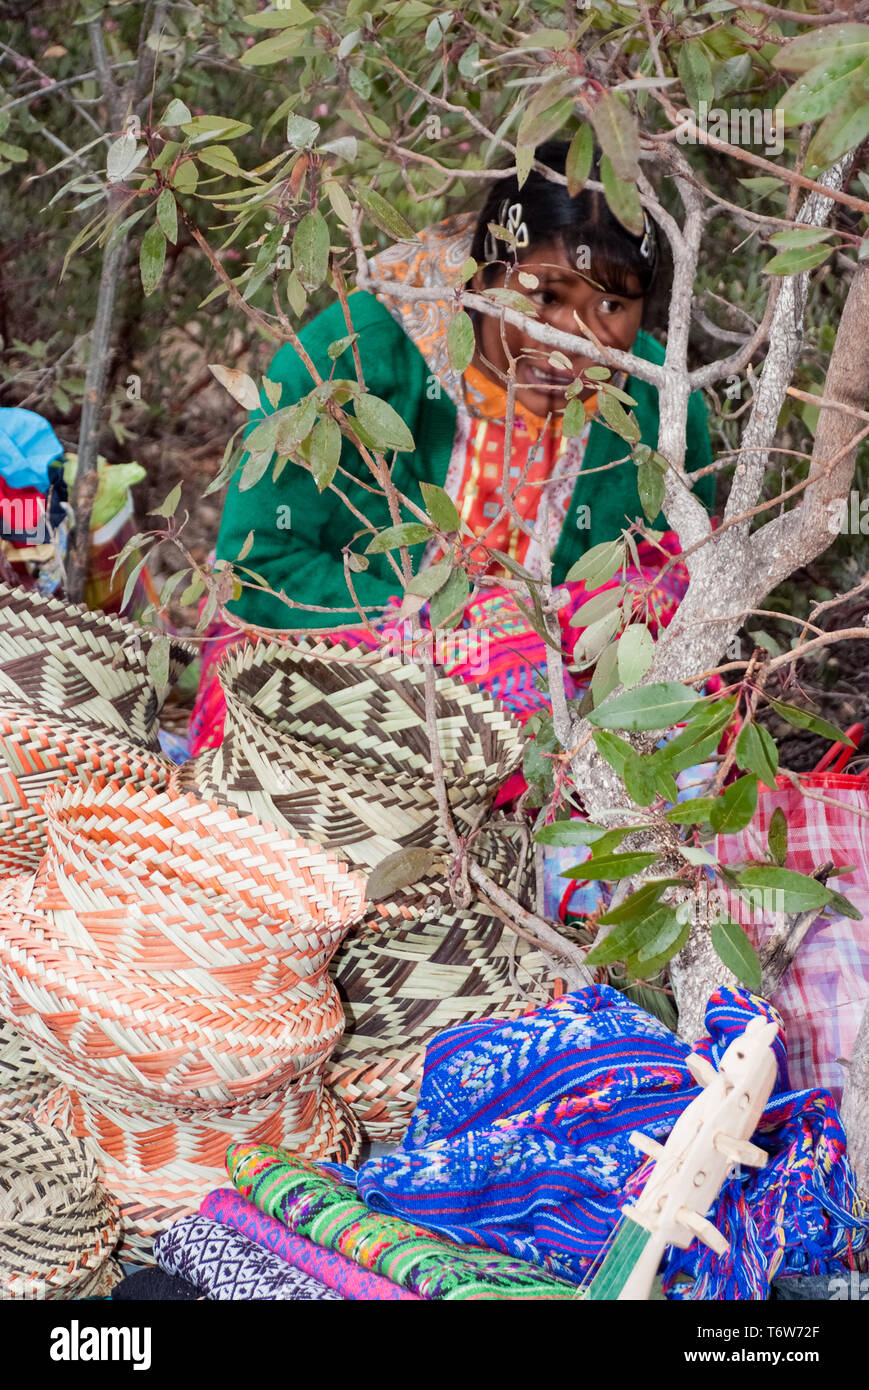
824,994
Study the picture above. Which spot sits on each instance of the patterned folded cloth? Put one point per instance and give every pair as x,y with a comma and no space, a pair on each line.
315,1204
521,1142
350,1280
227,1266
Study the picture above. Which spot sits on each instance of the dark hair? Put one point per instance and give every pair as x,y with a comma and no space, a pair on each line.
549,213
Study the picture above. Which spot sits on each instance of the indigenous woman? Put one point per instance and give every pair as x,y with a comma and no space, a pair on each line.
593,279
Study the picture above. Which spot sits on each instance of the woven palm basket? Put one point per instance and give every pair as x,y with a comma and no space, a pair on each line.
25,1083
404,977
369,710
333,743
38,750
85,668
58,1229
169,963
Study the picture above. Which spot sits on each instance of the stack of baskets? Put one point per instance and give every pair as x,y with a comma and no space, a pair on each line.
332,743
170,964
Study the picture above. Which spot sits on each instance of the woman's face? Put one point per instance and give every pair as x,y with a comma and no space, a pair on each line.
561,295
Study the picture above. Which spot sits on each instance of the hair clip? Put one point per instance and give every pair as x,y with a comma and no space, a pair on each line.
648,244
516,225
511,217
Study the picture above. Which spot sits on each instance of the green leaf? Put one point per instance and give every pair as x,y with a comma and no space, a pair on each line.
654,954
408,533
736,806
846,127
383,425
618,419
801,236
637,904
574,418
815,94
796,261
736,952
615,866
461,341
274,50
606,675
176,113
340,345
301,133
167,215
325,451
383,214
597,607
699,738
169,506
294,425
214,128
567,833
695,74
157,662
649,707
618,137
793,892
756,752
777,838
636,652
614,750
311,250
652,489
594,638
429,580
152,258
221,158
400,870
801,719
247,547
622,198
580,154
825,46
448,604
545,38
539,126
434,34
840,905
696,855
694,812
440,507
628,938
254,467
598,564
131,582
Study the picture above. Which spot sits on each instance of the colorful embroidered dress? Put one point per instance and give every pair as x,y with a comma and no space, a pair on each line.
458,430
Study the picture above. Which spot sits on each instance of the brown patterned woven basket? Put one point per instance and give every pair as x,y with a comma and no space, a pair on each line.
169,962
85,668
406,977
58,1229
369,710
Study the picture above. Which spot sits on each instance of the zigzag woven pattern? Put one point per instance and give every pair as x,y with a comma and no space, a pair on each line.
404,978
57,1228
333,744
370,710
169,962
36,751
66,661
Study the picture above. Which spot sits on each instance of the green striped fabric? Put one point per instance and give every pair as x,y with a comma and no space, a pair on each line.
318,1206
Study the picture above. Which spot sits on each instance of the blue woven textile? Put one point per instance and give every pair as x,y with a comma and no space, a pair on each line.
520,1143
227,1266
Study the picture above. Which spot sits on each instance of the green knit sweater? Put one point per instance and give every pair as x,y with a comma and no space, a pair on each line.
299,532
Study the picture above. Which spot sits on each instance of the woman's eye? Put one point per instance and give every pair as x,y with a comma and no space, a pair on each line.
544,297
610,306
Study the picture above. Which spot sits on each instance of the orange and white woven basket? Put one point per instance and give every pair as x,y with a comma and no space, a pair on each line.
169,962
